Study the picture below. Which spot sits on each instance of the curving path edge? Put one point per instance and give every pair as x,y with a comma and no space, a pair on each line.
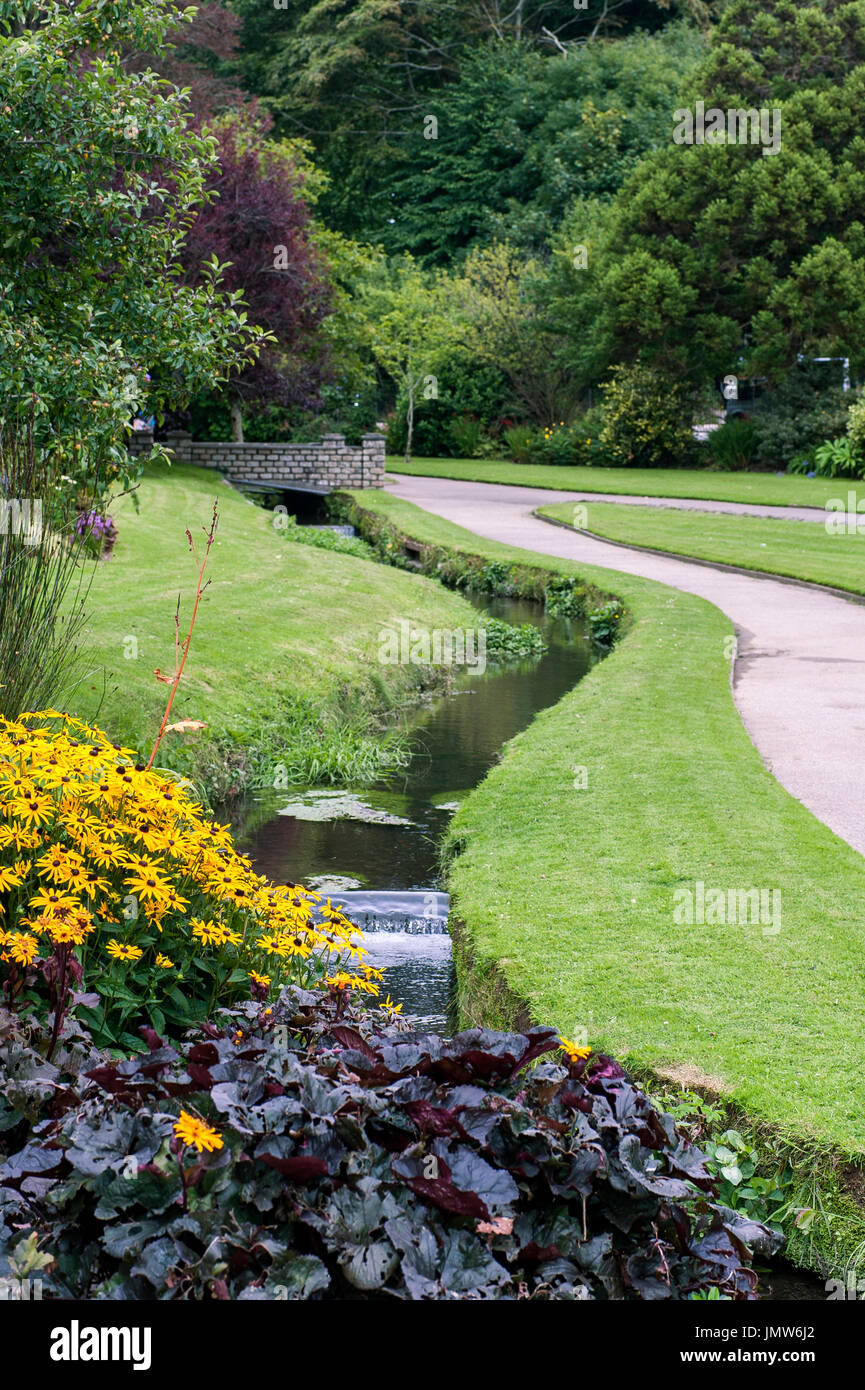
799,675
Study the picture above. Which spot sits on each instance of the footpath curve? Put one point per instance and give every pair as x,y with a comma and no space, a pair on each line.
799,675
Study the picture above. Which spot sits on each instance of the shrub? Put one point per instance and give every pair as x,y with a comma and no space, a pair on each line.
835,458
114,882
604,624
647,421
856,433
565,597
797,416
467,390
466,432
312,1152
733,446
559,444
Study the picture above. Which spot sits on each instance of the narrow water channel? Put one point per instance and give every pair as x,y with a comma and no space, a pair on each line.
375,850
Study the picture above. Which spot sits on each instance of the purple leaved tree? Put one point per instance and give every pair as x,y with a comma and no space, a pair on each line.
258,227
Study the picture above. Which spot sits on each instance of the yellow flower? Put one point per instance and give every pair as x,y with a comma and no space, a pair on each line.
9,878
35,808
190,1130
122,951
22,947
53,899
342,980
67,933
339,981
164,963
214,933
391,1006
146,882
572,1052
59,865
260,980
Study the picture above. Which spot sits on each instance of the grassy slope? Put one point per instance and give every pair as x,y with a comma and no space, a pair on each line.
571,891
280,622
765,489
801,549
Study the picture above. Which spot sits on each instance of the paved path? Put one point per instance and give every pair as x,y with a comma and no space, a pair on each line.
799,680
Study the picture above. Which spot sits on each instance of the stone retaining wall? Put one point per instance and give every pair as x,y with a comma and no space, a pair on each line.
330,464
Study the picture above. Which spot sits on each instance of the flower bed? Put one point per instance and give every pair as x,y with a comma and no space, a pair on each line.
306,1150
120,896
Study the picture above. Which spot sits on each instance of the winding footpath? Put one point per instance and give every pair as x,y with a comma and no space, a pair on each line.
799,677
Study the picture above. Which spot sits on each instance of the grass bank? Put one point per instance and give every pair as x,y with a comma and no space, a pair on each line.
566,860
764,489
283,666
796,549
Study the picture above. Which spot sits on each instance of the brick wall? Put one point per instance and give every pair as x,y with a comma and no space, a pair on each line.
330,464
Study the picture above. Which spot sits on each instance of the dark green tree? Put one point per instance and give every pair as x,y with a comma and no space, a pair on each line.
358,77
721,257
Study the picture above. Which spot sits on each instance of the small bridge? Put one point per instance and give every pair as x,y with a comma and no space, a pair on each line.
317,468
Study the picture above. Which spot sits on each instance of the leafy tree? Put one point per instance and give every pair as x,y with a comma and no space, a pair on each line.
359,76
408,333
572,291
520,135
502,321
100,177
723,259
257,224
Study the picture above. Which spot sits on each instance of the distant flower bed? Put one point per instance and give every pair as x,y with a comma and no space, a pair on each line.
118,893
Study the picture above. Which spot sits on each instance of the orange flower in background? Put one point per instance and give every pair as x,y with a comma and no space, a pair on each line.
20,947
191,1131
573,1052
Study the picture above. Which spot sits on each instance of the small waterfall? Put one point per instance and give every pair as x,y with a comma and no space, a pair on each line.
420,913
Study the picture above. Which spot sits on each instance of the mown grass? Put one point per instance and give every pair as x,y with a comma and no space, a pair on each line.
567,893
283,666
765,489
796,549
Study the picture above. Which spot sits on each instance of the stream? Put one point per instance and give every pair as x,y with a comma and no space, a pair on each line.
375,850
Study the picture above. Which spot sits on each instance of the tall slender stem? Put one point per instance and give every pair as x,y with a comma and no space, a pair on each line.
179,664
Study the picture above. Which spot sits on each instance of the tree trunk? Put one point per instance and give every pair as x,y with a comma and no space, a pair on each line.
236,423
409,421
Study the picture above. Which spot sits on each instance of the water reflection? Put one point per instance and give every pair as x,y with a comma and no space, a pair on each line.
386,838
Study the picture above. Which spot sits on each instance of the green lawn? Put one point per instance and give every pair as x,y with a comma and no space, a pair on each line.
799,549
768,489
570,892
283,665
